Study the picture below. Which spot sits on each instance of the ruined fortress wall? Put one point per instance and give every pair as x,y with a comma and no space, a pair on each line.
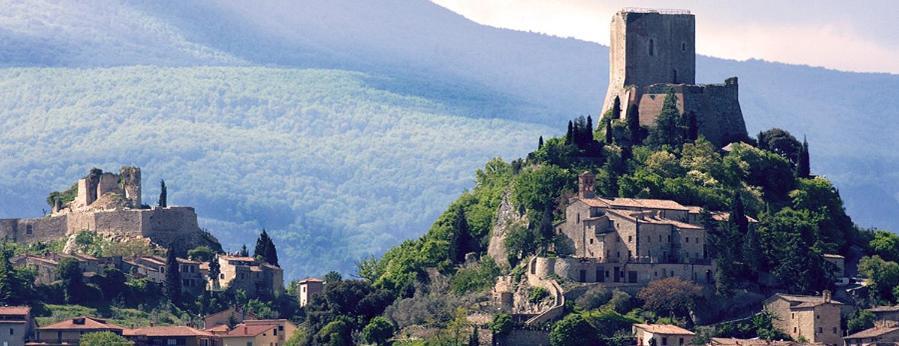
33,230
108,183
77,222
126,222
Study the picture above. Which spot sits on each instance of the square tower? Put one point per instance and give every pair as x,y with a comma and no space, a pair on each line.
650,47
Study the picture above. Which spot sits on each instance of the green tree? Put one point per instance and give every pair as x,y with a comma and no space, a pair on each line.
633,124
461,242
332,277
378,331
738,214
112,283
616,108
885,244
540,143
335,333
803,167
860,320
104,339
215,270
609,137
201,253
72,279
265,249
243,251
793,248
692,127
16,285
882,277
163,194
502,324
781,142
668,129
573,330
172,278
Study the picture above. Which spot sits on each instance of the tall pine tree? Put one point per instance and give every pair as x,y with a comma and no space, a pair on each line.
569,136
633,124
172,278
215,269
163,194
668,128
738,214
616,108
243,251
692,127
609,137
461,238
540,143
803,167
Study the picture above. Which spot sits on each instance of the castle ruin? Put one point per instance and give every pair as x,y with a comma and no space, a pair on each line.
654,51
110,203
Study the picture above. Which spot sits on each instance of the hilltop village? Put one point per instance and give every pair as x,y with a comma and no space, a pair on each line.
662,224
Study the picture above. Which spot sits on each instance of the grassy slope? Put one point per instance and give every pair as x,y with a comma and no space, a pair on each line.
330,161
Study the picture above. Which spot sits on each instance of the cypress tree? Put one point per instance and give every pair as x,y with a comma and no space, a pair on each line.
461,239
243,251
667,129
163,194
261,245
540,143
738,214
803,167
215,270
616,108
633,124
172,278
589,130
570,134
692,127
609,131
271,254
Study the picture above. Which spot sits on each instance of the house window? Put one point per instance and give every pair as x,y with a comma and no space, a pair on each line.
652,48
591,240
275,332
680,341
249,343
171,342
664,340
578,217
29,229
820,330
793,315
12,331
794,329
834,330
630,239
683,46
817,317
688,239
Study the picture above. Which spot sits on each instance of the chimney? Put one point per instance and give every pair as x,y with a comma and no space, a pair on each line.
585,182
826,296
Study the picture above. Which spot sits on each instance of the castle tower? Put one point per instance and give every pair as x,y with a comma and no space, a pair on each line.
131,185
585,184
650,47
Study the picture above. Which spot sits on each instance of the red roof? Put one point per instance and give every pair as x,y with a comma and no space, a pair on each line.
310,280
160,331
249,330
14,310
84,324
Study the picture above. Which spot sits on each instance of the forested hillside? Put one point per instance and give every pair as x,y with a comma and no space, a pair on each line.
366,120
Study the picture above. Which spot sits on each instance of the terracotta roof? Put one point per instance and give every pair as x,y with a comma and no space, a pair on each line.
186,261
893,308
238,258
221,328
154,260
165,331
89,323
14,310
644,203
663,329
749,342
804,299
872,332
642,217
249,330
311,280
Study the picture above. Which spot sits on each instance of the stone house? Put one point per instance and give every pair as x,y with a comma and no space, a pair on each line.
171,335
69,332
193,281
227,317
45,268
259,333
16,325
254,277
627,240
813,319
885,313
308,288
661,335
881,333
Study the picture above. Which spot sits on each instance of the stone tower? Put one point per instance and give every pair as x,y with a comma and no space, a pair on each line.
131,184
586,182
652,53
650,47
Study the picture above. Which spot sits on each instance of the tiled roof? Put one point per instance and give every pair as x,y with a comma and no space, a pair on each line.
238,258
89,323
249,330
636,216
663,329
14,310
644,203
221,328
310,280
893,308
872,332
804,299
165,331
187,261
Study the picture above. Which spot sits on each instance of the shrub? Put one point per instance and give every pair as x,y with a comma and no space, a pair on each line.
502,324
536,294
378,331
104,339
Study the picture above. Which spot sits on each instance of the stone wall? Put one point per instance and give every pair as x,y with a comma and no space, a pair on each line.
591,271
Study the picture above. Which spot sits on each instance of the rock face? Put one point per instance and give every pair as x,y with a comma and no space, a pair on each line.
507,218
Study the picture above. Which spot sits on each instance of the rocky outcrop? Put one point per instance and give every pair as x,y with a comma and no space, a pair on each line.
507,218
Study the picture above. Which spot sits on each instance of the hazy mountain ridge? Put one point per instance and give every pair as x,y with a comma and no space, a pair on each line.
247,144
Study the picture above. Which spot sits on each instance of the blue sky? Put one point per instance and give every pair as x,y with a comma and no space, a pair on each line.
844,35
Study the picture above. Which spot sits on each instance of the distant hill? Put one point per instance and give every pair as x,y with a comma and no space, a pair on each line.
347,126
